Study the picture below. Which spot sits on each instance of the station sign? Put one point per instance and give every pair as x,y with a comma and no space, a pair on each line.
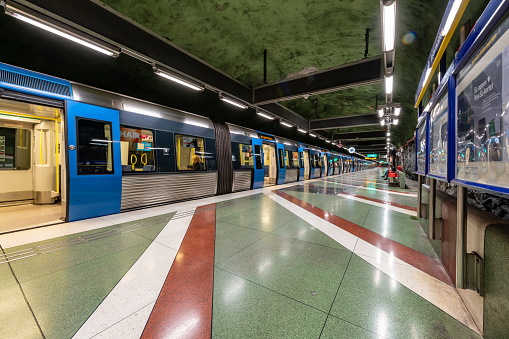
266,137
351,150
371,155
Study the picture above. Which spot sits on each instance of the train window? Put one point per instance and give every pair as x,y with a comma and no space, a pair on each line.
281,158
95,151
15,149
246,156
301,156
137,150
258,156
292,159
190,153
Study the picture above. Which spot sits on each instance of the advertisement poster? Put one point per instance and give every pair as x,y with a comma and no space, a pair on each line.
438,138
482,116
421,148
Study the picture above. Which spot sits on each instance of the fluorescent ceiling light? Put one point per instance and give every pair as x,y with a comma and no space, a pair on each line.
63,32
389,13
395,121
381,112
301,130
397,111
382,122
327,141
388,134
452,14
388,139
178,79
312,135
284,123
232,102
266,116
388,84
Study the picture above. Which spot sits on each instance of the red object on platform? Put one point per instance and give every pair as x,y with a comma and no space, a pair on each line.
392,174
399,168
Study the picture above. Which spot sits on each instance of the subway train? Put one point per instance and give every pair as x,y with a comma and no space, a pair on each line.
85,152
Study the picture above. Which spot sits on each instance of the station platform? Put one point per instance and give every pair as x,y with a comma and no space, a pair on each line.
336,257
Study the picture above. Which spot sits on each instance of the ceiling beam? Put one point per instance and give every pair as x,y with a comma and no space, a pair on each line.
360,73
347,121
359,135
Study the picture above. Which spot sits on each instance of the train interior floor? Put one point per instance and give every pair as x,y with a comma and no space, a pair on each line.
28,215
336,257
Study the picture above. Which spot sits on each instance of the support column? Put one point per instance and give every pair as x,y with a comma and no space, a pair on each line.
461,238
431,205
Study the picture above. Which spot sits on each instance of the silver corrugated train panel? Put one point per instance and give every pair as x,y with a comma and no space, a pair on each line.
242,181
147,190
292,175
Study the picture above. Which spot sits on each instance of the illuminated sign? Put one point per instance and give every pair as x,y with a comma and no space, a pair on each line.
351,149
371,155
266,137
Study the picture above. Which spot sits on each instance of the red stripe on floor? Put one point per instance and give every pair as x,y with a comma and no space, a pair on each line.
184,306
415,258
381,201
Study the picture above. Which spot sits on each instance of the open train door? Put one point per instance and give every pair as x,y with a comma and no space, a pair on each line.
259,175
301,163
94,161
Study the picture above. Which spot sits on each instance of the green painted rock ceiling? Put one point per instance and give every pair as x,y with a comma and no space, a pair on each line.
299,35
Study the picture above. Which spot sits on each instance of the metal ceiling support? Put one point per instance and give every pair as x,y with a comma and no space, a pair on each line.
359,135
360,73
366,143
348,121
286,114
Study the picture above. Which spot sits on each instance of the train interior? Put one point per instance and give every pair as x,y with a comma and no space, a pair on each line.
31,165
270,164
307,169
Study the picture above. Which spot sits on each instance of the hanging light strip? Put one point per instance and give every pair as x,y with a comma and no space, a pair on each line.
232,102
266,116
65,31
284,123
178,78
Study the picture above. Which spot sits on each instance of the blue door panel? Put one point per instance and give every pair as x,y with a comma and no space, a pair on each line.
258,176
281,171
93,195
301,161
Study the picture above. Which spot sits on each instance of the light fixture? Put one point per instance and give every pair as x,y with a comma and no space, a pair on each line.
177,78
312,135
266,116
388,139
395,121
397,110
389,17
381,112
388,134
382,122
450,18
388,84
231,101
327,141
284,123
65,31
301,130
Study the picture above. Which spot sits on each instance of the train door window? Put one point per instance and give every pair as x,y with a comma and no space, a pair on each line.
287,159
15,149
258,156
301,159
246,156
95,151
137,149
281,158
190,153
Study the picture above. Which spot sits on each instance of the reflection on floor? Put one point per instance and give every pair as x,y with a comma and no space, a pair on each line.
27,216
324,258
